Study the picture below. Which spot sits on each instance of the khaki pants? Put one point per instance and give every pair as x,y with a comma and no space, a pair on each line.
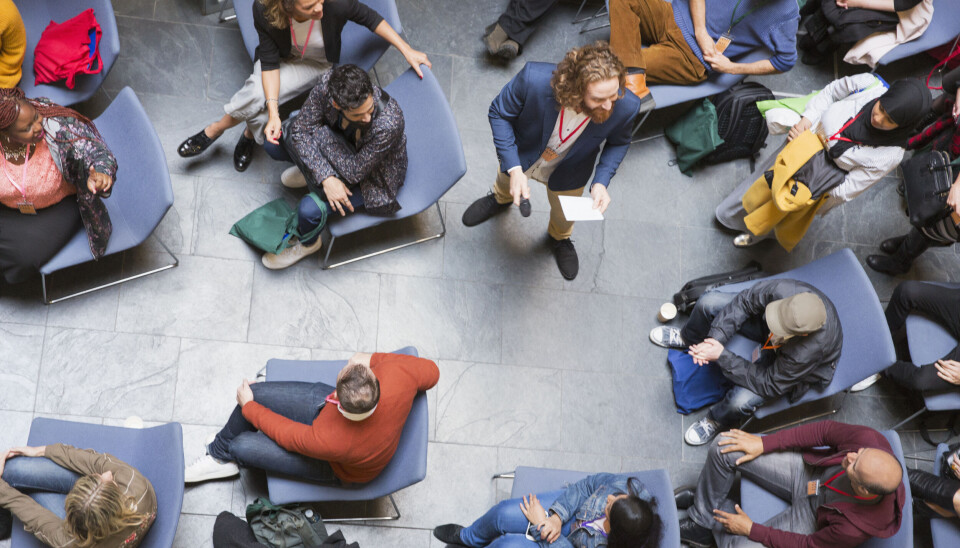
668,59
559,228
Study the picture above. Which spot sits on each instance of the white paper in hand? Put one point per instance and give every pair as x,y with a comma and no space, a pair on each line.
579,208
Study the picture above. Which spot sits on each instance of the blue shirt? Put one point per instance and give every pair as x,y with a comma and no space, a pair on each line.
772,26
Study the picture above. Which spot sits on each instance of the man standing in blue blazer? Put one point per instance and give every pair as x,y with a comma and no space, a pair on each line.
549,124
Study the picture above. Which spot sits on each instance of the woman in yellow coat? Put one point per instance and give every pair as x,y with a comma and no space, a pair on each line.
13,44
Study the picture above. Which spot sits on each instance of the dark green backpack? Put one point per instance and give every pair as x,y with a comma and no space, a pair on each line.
271,226
695,135
285,526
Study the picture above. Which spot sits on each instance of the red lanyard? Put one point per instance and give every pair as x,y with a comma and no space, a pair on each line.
293,37
768,346
572,133
26,160
835,490
835,137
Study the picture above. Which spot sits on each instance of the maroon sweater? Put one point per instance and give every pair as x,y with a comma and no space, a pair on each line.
840,524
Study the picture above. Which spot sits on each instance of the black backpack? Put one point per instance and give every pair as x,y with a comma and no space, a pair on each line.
739,122
694,289
830,27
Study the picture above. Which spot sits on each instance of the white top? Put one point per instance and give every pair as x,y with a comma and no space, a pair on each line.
574,124
833,107
315,49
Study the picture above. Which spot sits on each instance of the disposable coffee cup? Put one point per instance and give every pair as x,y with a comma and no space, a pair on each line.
668,311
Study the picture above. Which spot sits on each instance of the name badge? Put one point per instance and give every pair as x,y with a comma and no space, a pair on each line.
813,488
723,42
756,354
26,208
549,155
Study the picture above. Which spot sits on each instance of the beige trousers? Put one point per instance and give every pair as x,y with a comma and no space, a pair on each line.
559,228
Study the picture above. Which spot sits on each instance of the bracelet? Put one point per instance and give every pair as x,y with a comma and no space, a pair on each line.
277,101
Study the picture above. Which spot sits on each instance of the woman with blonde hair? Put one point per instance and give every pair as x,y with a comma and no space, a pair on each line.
299,41
109,503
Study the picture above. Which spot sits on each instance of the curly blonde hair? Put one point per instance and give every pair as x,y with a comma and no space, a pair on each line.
97,509
278,12
583,66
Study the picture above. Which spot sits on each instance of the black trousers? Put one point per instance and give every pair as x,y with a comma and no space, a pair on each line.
941,304
27,242
520,18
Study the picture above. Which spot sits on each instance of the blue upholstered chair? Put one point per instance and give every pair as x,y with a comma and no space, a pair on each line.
928,342
944,27
528,480
409,463
37,14
359,46
141,195
156,452
761,505
945,532
867,345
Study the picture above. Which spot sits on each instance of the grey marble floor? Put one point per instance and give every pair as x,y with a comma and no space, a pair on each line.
535,370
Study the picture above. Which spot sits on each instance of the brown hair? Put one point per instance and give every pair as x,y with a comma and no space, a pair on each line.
358,389
11,100
582,66
97,509
277,12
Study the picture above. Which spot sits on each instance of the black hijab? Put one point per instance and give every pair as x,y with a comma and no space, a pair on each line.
906,102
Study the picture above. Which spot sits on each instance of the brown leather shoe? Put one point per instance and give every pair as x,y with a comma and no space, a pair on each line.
637,83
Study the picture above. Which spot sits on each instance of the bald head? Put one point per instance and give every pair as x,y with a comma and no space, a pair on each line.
874,471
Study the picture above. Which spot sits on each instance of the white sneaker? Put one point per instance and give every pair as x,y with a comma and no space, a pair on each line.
208,468
667,337
746,240
865,383
292,178
702,431
290,256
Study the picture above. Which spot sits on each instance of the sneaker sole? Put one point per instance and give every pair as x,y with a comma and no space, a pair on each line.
663,344
223,474
697,444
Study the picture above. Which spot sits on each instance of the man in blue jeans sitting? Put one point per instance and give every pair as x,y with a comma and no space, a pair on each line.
801,340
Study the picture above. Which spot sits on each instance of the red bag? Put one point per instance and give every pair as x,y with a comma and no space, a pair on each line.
68,49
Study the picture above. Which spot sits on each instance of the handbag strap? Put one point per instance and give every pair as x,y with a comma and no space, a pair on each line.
953,53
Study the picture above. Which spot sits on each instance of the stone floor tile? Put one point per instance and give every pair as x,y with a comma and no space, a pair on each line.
637,414
475,84
136,374
637,353
23,304
383,536
203,297
532,319
94,311
482,167
210,371
231,64
457,488
306,306
21,347
628,250
524,415
188,11
424,259
16,428
210,497
876,215
177,228
135,8
426,25
194,531
445,319
509,458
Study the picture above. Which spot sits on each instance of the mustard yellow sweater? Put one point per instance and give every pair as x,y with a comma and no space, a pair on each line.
13,44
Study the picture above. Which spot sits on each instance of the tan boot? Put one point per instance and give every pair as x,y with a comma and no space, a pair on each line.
290,256
637,83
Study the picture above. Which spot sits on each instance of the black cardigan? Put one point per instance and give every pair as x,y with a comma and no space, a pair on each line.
275,44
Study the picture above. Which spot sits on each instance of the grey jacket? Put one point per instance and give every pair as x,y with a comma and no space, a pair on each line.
801,362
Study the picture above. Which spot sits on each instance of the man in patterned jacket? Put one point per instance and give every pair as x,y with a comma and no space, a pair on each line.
350,151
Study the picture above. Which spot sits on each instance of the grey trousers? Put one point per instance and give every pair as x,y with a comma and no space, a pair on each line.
783,473
730,212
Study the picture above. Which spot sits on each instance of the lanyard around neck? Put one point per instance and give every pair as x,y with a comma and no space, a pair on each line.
735,22
26,160
844,493
837,137
768,346
572,133
293,36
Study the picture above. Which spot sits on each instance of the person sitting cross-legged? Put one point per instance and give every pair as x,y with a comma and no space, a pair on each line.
802,340
843,482
349,149
317,432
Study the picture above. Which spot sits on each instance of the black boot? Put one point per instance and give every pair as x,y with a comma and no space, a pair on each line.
566,256
482,209
695,535
888,265
449,533
195,144
243,153
6,524
684,497
891,245
927,487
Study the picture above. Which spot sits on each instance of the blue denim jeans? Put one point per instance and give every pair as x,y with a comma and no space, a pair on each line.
505,525
309,216
241,442
736,406
43,479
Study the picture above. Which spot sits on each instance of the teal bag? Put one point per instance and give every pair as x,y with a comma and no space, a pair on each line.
271,226
695,135
285,526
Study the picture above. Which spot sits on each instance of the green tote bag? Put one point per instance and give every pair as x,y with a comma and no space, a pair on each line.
272,226
695,135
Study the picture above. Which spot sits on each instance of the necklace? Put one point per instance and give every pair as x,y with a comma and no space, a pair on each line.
15,154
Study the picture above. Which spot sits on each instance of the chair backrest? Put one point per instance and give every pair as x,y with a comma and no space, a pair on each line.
408,465
156,452
945,532
944,28
435,154
37,14
244,11
529,479
929,341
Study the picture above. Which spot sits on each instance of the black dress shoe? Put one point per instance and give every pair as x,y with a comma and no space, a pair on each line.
6,524
195,144
566,256
891,245
449,533
887,265
243,154
694,535
684,497
483,209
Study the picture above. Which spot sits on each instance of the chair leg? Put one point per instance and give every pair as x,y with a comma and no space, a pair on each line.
910,418
396,516
176,261
637,126
326,260
600,13
221,18
834,408
504,475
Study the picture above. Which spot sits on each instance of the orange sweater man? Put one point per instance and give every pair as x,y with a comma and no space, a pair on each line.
346,434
